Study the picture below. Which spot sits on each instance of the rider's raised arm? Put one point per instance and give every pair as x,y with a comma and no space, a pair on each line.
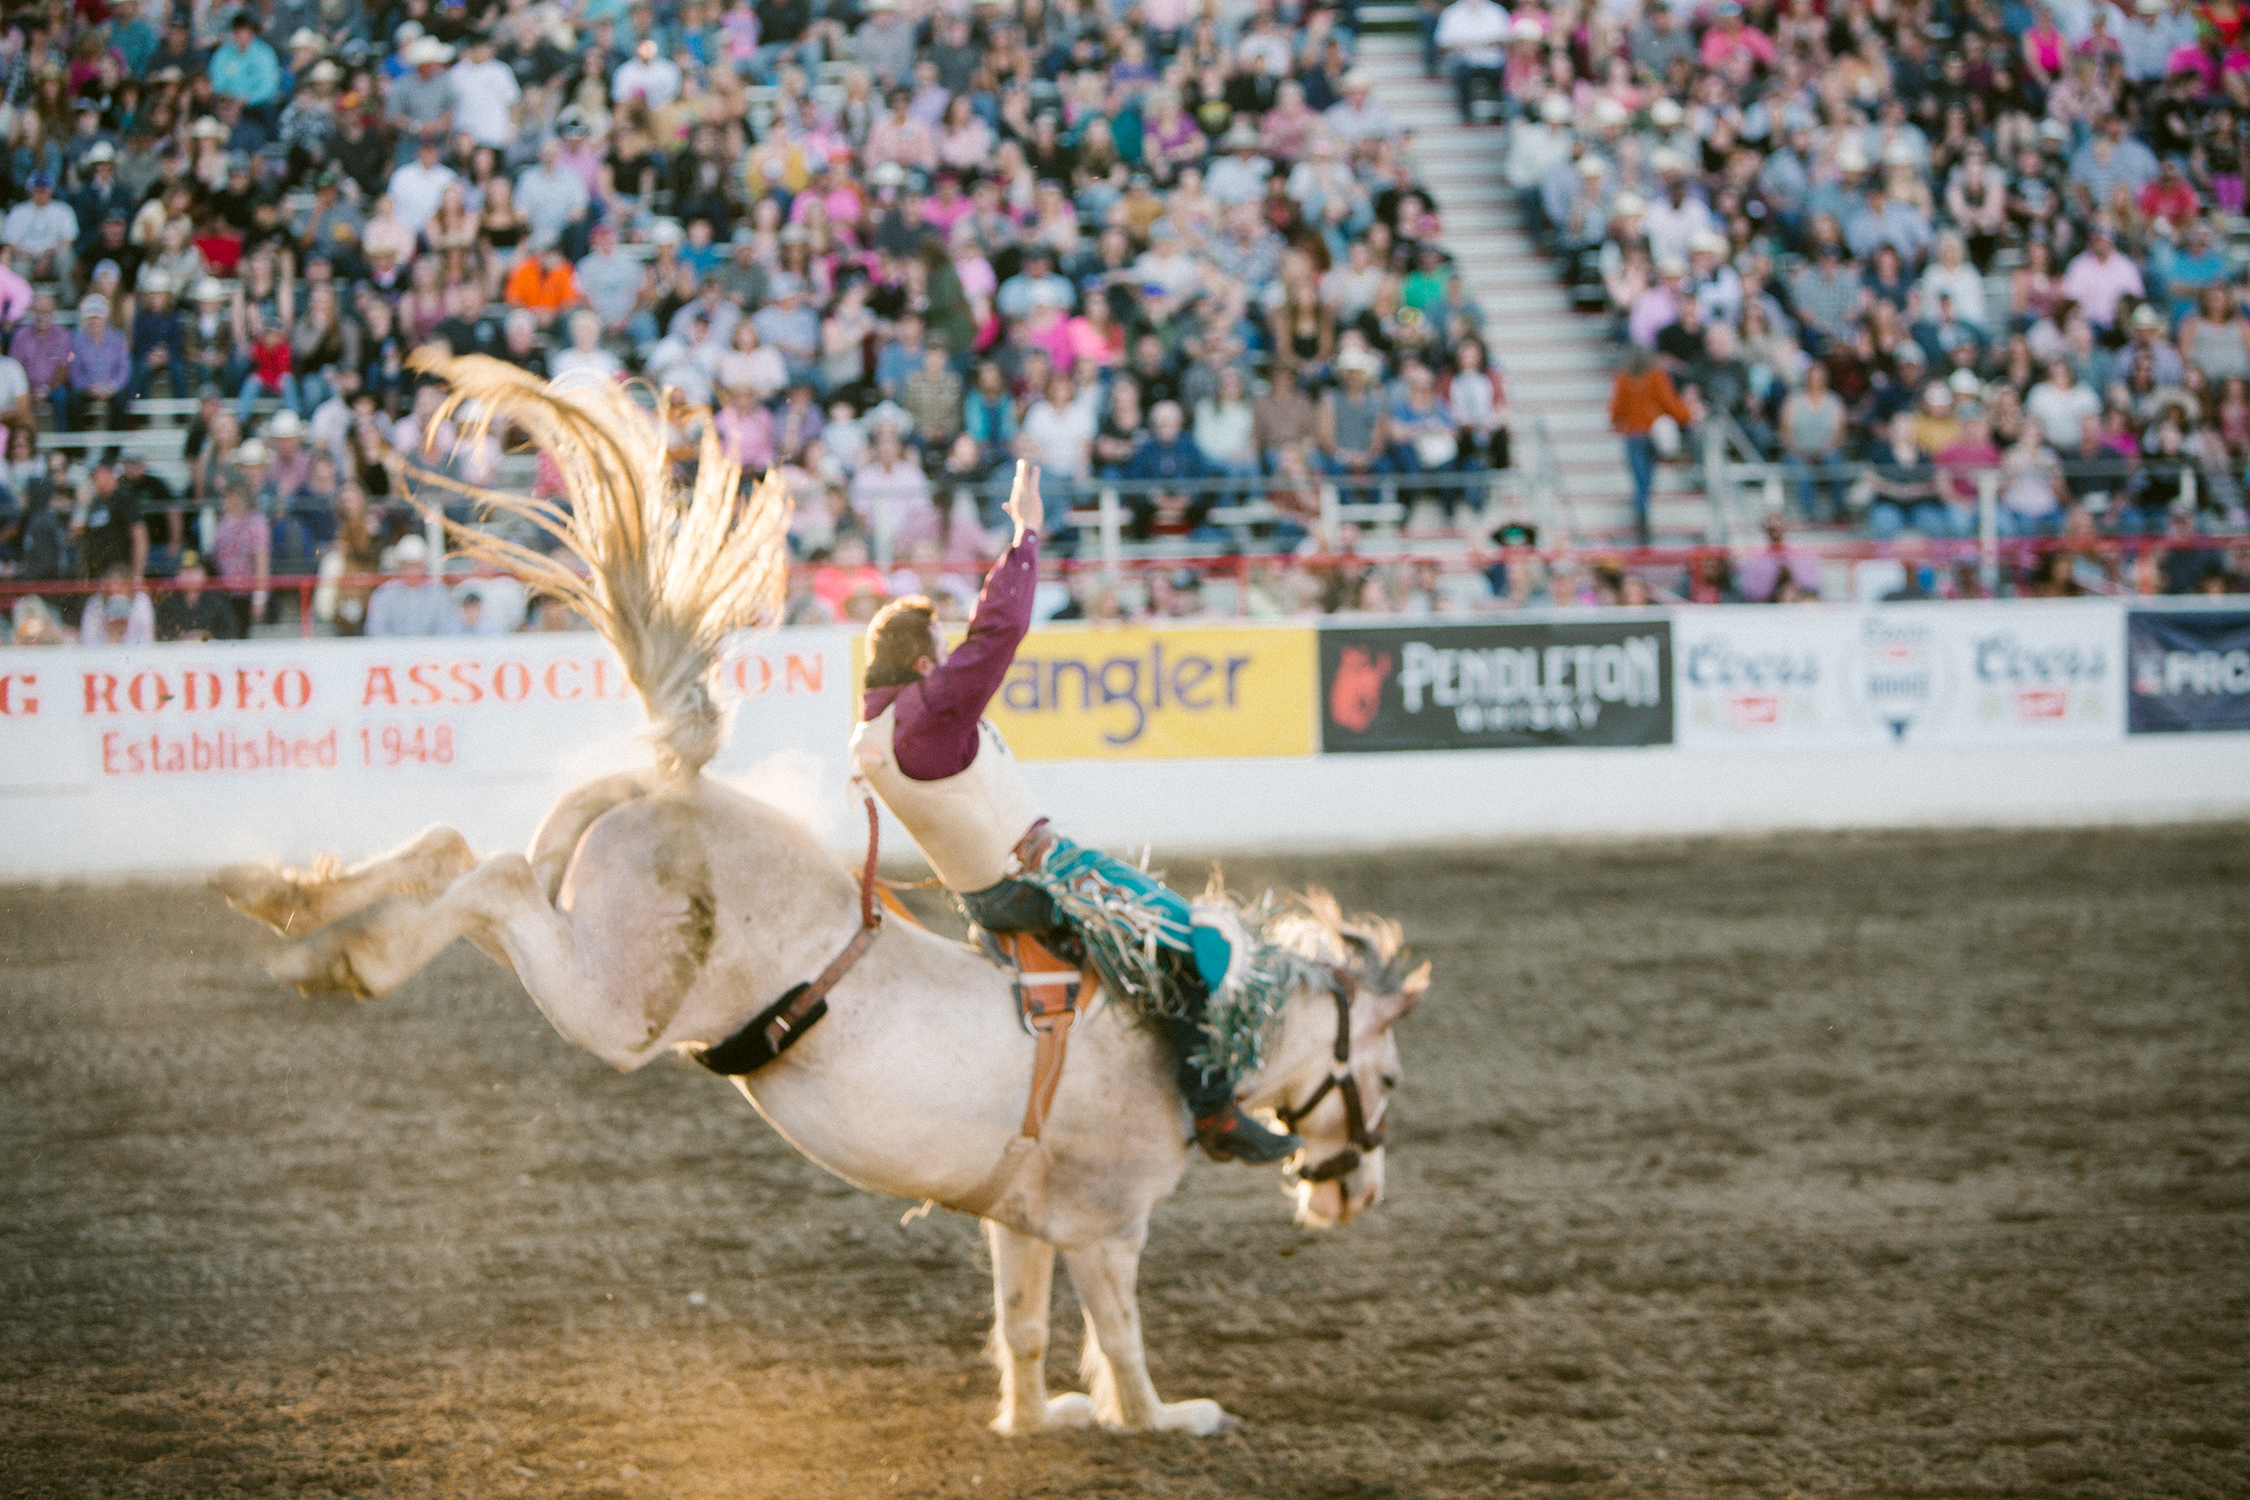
937,734
956,690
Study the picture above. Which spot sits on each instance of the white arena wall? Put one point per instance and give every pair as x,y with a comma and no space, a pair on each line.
175,759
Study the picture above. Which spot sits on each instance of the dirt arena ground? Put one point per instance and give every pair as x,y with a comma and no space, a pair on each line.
1875,1166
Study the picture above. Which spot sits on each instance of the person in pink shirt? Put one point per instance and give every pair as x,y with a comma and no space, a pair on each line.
1046,329
2099,278
15,296
1731,39
835,195
745,427
947,206
898,136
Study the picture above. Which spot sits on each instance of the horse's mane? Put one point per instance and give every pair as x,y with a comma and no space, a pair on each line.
1312,925
670,570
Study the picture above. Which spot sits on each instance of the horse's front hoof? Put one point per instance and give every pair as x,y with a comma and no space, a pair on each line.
1069,1410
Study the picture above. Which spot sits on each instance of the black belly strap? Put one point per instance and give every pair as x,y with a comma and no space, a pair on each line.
777,1028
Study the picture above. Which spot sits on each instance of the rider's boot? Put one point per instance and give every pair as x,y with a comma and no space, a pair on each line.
1223,1131
1231,1135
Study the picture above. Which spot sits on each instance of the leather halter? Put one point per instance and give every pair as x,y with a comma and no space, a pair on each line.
1359,1135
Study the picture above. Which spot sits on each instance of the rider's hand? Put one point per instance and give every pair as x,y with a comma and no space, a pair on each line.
1024,506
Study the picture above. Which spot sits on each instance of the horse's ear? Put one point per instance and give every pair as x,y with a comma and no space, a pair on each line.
1410,994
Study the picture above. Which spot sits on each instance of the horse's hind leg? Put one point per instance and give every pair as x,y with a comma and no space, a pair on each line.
1023,1284
1106,1274
602,987
377,948
296,902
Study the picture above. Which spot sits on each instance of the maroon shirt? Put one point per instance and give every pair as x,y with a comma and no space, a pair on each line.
937,717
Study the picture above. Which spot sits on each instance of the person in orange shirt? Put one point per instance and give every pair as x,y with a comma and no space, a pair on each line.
1644,393
543,283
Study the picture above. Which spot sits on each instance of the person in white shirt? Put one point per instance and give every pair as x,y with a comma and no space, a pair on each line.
329,430
654,77
1678,215
41,231
891,496
585,359
2058,404
1058,430
484,92
1238,177
1951,274
1534,150
417,188
1167,264
501,602
120,616
1473,35
1357,117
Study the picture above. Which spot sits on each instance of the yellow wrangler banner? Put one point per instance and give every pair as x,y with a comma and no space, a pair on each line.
1105,694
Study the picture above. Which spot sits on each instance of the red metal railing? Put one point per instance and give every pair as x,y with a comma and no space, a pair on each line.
2014,553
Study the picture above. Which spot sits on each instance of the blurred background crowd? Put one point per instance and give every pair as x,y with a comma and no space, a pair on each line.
1936,266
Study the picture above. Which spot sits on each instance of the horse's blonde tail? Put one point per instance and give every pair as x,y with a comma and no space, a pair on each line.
669,571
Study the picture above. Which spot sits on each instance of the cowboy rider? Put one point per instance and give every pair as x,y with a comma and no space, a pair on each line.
945,773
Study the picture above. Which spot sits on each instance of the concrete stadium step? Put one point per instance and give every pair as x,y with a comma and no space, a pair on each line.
1556,361
1379,19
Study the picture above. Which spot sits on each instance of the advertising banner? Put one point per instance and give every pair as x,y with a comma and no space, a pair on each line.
452,708
1103,694
2191,670
1603,681
2030,672
1760,677
1940,674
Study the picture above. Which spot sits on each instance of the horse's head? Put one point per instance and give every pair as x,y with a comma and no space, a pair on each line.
1335,1063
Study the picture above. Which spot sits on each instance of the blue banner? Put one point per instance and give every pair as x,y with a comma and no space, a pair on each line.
2191,671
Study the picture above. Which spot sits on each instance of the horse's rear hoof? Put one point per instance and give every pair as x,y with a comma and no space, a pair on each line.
320,967
261,892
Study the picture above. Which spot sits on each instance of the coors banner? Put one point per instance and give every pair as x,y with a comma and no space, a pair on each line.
1467,687
2191,670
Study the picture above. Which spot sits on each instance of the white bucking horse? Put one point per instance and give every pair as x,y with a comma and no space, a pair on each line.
659,910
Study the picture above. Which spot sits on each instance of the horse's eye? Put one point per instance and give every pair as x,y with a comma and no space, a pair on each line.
1389,1081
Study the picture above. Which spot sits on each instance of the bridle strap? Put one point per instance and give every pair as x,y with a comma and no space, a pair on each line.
1361,1138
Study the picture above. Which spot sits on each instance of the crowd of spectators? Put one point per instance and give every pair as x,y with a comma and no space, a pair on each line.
890,246
1901,247
1174,246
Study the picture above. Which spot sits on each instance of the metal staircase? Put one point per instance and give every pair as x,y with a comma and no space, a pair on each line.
1557,362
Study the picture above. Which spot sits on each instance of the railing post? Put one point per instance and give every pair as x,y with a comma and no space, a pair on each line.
304,608
1113,535
886,532
1988,530
1718,482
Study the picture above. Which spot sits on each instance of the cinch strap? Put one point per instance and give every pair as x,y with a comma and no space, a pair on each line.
774,1030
